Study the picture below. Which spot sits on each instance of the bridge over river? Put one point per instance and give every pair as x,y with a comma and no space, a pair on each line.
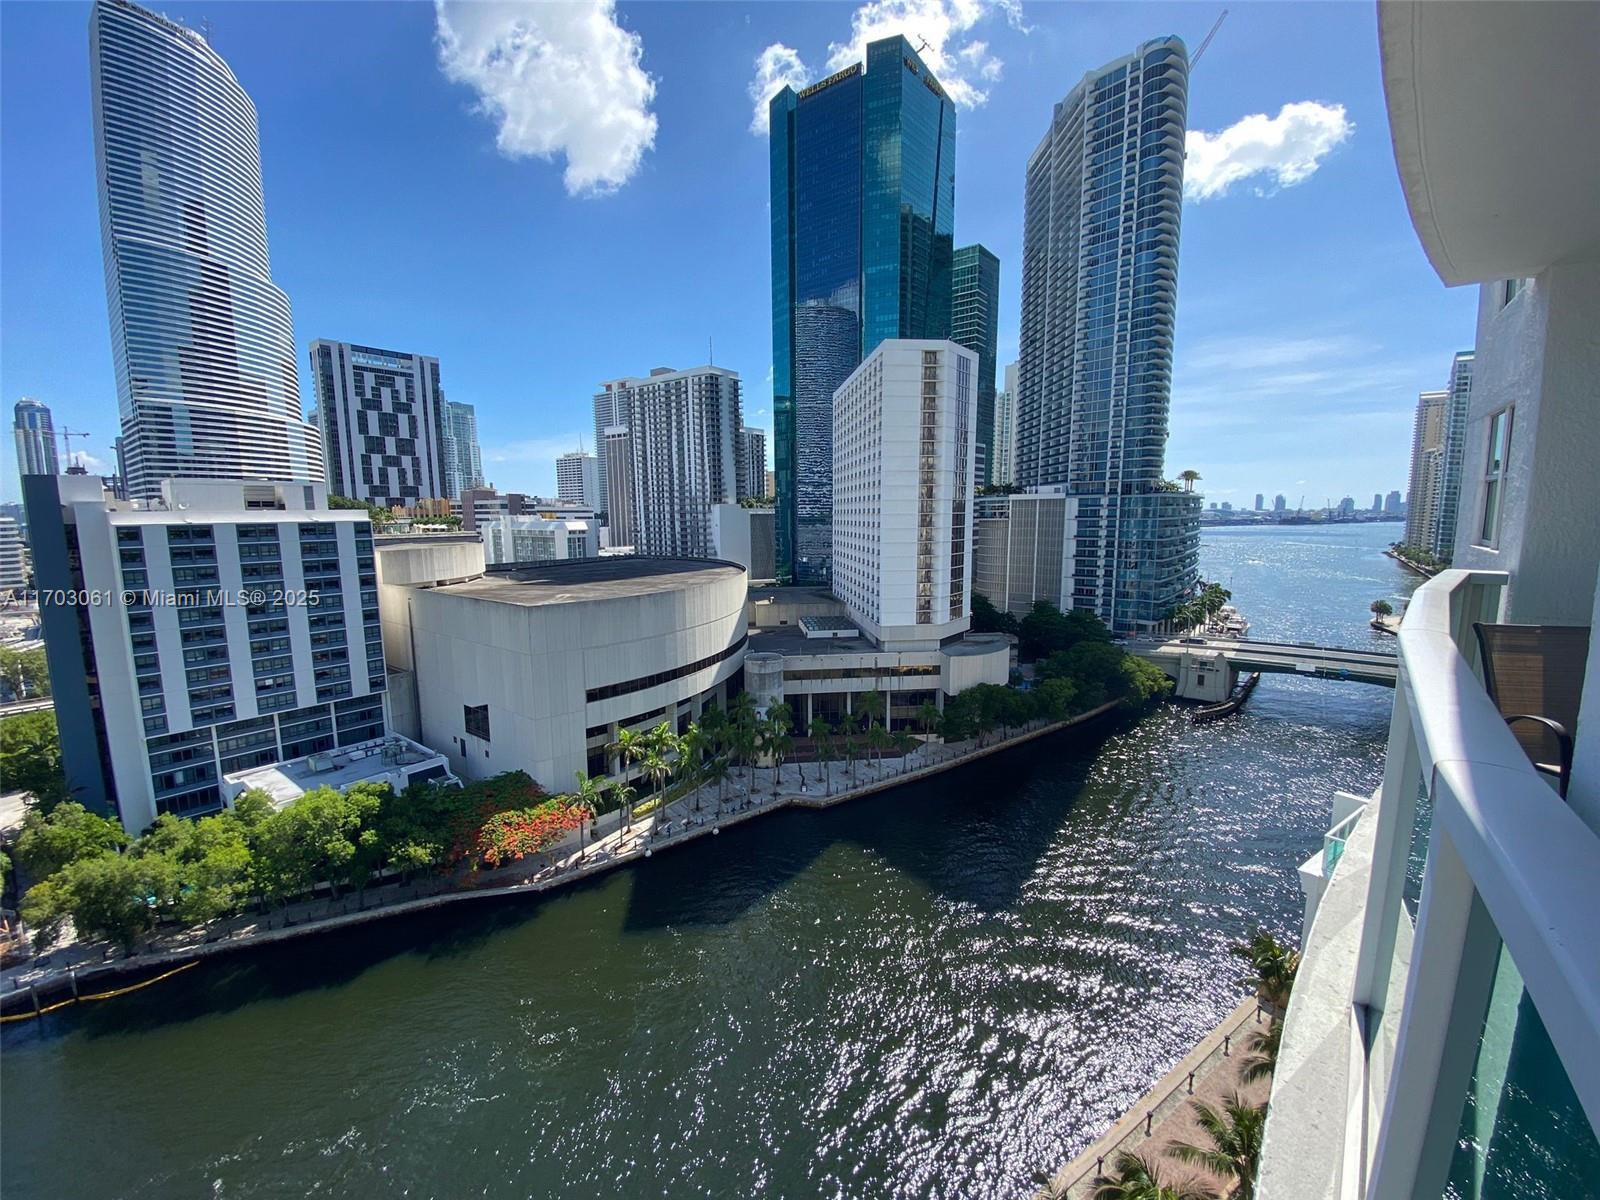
1206,669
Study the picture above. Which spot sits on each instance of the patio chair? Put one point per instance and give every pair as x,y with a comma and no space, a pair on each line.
1534,675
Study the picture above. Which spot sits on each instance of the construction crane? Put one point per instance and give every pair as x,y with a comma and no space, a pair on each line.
66,435
1194,60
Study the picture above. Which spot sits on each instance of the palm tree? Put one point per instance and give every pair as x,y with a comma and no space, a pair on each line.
1235,1132
847,742
870,705
588,799
878,740
1136,1178
820,732
779,743
626,795
1261,1053
1190,478
630,747
928,717
905,744
657,769
1274,965
1381,608
717,771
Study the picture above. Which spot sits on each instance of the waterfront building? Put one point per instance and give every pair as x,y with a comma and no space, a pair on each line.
242,630
13,558
616,454
35,433
683,442
532,537
1098,291
746,536
382,415
578,479
1427,469
1003,459
1261,502
1022,549
752,463
1279,504
1347,506
863,212
201,337
1452,457
903,435
975,324
463,458
1443,1030
1392,504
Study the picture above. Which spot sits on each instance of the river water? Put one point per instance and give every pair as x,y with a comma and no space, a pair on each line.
933,992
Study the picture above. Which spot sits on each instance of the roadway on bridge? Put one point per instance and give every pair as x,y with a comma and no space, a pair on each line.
1289,658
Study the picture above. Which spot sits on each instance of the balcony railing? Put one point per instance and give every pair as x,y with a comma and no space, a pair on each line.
1333,843
1387,1038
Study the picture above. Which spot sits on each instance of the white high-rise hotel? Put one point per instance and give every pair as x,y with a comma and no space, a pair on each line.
904,428
201,338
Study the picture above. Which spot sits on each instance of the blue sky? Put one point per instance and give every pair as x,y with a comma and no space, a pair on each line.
543,214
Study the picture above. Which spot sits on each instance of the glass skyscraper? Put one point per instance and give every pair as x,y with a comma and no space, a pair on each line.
1099,284
863,217
975,324
201,337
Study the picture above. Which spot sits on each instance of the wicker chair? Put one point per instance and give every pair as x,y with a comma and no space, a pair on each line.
1534,675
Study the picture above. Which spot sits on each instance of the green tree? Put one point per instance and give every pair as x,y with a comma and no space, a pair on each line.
986,618
716,772
1274,966
820,733
904,744
30,758
1190,478
589,800
878,740
1382,608
929,716
27,671
1057,698
66,834
1235,1131
1133,1177
118,897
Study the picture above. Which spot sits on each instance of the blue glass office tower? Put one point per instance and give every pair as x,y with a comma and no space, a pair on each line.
975,324
1099,287
863,217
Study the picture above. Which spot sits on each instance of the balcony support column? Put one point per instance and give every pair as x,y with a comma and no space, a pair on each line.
1447,997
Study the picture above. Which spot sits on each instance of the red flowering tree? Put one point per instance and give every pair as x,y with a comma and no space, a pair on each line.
515,833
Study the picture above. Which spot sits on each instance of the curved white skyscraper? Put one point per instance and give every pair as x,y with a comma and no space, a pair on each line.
201,337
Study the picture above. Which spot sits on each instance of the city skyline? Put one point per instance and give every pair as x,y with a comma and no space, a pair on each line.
1239,358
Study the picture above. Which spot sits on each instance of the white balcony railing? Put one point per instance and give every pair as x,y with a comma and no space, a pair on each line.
1383,1033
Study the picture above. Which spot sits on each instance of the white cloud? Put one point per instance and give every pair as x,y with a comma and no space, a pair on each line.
777,67
541,451
557,78
1289,146
939,29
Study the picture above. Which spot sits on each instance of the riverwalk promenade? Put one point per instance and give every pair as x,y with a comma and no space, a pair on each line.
71,968
1164,1115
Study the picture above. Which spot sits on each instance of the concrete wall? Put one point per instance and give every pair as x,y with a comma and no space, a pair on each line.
532,664
1540,352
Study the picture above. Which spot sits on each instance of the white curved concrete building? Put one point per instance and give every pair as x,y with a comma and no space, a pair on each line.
201,337
538,667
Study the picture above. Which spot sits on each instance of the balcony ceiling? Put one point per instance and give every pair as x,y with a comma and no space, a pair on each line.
1493,108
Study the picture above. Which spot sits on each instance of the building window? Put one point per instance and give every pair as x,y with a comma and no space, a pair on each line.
476,717
1513,288
1494,477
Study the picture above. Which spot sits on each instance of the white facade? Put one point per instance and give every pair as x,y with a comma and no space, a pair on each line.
538,668
1023,549
537,537
13,567
1427,469
682,435
234,625
746,536
578,479
1003,462
382,416
752,463
616,457
903,434
201,338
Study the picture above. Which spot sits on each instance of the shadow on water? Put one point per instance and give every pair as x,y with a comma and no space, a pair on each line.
753,860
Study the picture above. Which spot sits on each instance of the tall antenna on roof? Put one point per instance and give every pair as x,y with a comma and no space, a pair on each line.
711,357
